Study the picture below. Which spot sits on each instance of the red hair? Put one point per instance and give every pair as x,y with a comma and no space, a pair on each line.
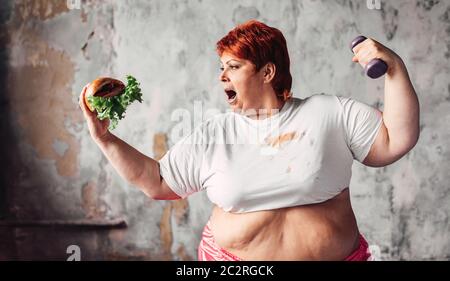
261,44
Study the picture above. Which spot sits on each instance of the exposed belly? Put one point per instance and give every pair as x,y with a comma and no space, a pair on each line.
323,231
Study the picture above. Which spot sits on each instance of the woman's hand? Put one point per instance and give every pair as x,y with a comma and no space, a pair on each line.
97,128
370,49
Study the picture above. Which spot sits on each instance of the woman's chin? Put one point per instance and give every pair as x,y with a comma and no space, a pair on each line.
234,104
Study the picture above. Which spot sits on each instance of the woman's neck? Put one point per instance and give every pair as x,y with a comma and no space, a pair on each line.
269,105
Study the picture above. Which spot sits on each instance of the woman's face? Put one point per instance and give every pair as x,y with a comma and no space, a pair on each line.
242,84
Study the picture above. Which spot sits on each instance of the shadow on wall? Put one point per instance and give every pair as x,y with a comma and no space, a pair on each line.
7,138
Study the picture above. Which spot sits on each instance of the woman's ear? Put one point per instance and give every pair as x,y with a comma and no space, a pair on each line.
269,72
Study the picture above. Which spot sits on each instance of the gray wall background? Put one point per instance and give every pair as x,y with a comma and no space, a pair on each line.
52,170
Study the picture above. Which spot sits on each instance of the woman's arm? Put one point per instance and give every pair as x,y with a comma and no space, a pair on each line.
400,130
132,165
401,108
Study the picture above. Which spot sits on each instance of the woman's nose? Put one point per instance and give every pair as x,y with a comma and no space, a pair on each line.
223,77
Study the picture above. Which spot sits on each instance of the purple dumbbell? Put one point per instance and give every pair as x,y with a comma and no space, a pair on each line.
376,67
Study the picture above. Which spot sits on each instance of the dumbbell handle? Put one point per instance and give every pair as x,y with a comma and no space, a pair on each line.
376,67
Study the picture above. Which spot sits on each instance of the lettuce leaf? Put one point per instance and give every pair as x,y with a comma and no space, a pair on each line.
114,108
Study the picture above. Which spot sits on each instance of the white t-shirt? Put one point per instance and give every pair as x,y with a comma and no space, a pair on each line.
301,155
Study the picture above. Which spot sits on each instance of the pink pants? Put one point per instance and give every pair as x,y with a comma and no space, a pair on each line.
208,249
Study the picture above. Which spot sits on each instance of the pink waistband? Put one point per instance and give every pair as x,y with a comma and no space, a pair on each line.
362,253
209,250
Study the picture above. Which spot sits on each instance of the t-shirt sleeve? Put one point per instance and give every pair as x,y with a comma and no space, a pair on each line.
361,124
181,165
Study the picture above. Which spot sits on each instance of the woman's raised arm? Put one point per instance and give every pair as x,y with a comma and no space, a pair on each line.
133,166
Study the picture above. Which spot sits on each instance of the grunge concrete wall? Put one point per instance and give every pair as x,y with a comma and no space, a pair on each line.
53,171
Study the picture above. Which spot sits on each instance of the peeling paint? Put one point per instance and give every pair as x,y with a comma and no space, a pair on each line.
159,149
390,17
91,203
178,208
40,9
117,235
60,147
41,99
159,146
166,232
181,210
84,48
181,252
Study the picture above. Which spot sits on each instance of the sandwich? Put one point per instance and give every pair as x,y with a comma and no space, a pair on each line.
110,97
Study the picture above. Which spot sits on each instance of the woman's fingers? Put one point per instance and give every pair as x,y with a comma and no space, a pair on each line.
81,101
97,128
370,49
363,56
364,52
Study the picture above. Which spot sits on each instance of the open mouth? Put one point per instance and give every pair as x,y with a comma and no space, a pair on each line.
231,96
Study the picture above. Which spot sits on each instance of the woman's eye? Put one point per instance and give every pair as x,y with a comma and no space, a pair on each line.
231,67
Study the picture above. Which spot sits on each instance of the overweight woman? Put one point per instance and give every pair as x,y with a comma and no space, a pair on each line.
279,192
